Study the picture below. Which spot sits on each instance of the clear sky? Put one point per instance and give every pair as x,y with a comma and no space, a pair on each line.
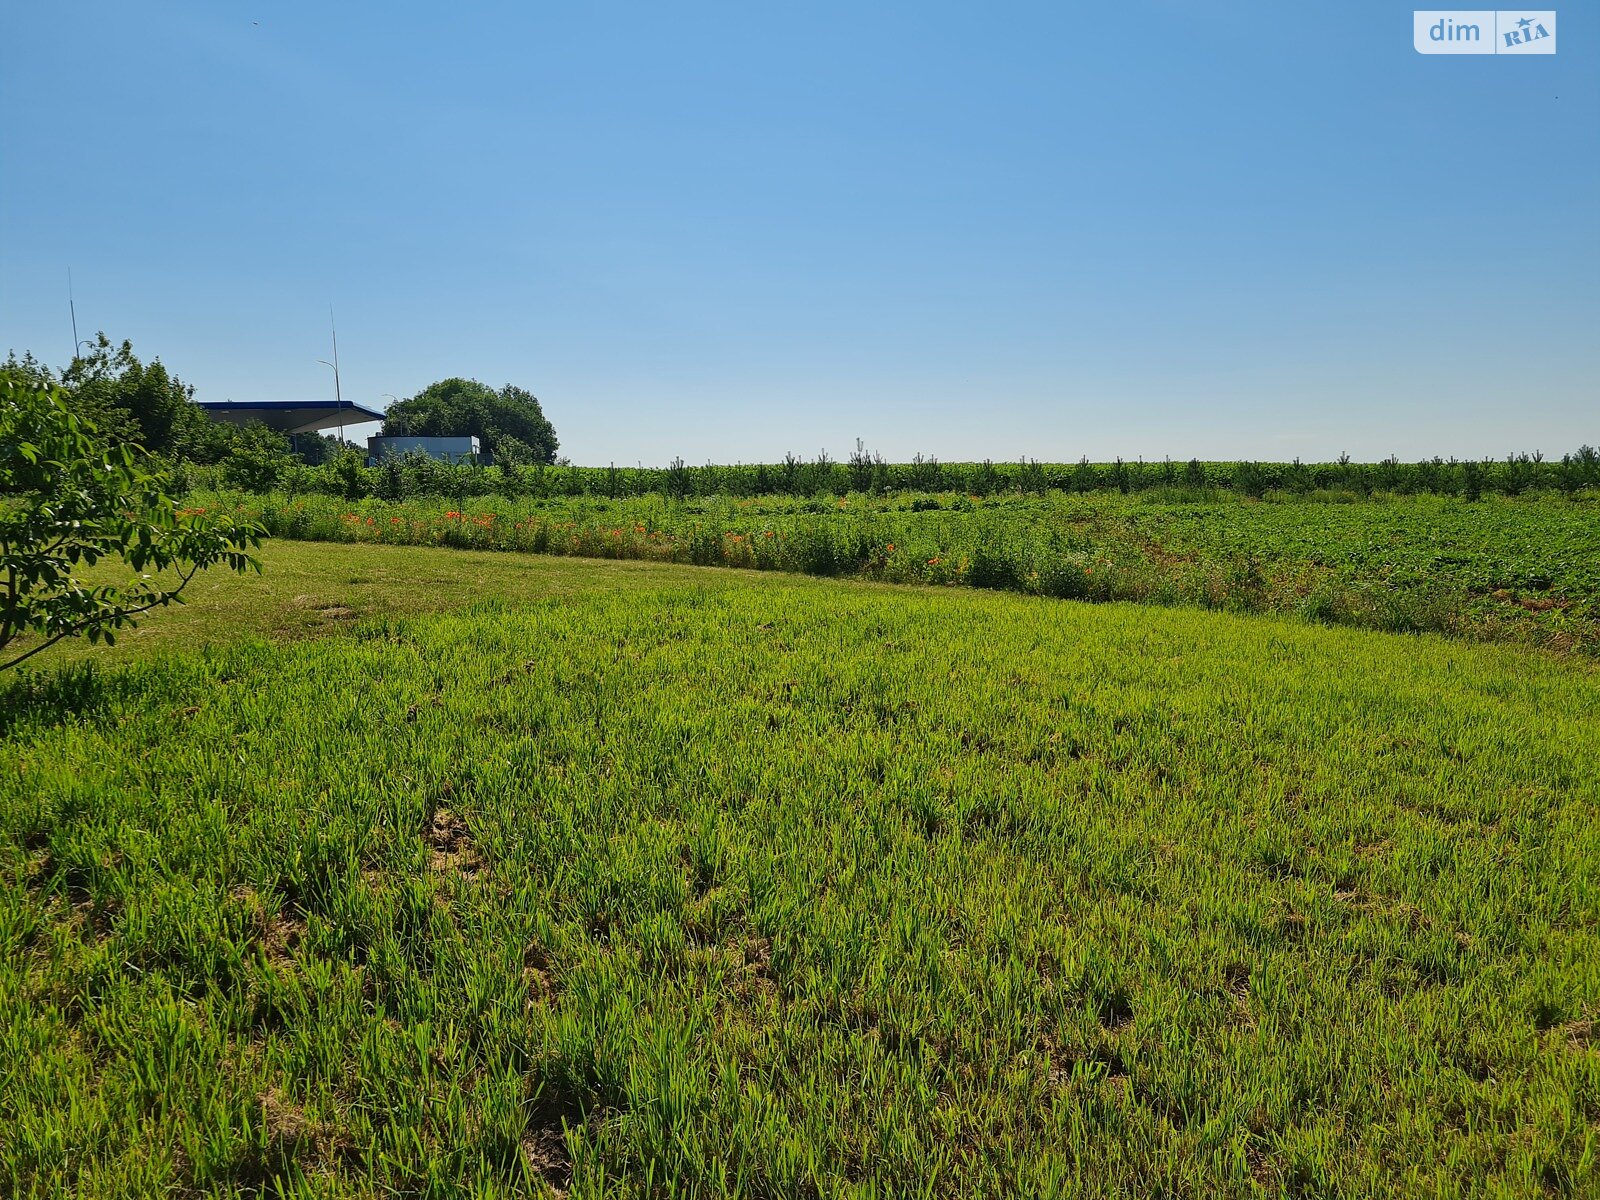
728,231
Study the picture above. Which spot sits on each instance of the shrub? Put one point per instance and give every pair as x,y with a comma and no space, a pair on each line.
258,462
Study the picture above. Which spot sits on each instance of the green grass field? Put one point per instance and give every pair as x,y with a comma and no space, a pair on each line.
419,872
1524,570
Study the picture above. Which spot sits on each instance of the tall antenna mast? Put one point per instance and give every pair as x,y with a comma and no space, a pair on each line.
73,308
338,396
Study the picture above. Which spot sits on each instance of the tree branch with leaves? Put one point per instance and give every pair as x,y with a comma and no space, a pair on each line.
67,501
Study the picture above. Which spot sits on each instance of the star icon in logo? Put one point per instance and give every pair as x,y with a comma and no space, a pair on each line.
1525,22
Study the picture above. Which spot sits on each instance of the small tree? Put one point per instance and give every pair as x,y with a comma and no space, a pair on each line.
514,452
258,460
677,478
346,468
67,501
1084,477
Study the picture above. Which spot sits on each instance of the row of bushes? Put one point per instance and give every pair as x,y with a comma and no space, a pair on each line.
345,476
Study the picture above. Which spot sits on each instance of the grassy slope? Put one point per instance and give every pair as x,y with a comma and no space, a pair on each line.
806,886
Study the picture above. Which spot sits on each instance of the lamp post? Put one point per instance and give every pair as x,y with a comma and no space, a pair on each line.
338,396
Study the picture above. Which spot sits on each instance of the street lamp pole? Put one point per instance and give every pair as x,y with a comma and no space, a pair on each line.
72,306
338,396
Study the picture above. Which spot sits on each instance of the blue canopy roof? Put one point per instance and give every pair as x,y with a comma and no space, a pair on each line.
291,416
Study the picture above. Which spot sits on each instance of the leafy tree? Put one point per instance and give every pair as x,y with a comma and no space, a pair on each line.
112,424
346,467
127,400
258,460
465,407
512,451
315,449
68,500
144,402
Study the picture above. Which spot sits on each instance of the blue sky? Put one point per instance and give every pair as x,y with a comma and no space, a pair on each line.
728,231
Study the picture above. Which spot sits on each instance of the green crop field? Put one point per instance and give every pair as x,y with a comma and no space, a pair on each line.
1501,569
409,871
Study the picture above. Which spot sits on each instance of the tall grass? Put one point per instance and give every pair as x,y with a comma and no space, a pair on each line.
1522,570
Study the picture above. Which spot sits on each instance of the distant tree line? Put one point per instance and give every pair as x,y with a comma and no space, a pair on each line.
405,476
144,404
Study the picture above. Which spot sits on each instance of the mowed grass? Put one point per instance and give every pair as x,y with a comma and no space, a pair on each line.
780,887
311,591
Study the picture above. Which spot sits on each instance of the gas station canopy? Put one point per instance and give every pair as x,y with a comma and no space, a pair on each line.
290,416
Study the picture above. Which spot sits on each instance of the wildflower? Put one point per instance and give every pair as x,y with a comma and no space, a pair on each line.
768,533
890,548
934,562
